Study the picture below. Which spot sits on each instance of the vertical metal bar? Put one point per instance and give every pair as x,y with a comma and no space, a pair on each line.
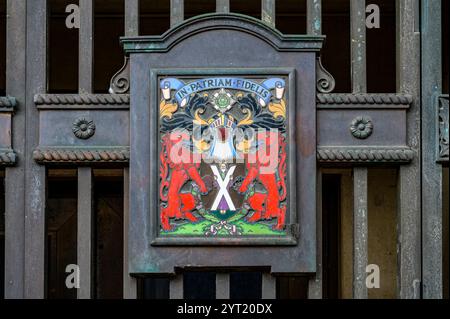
360,230
269,286
223,6
131,18
315,283
85,232
222,286
314,17
129,283
360,211
409,194
35,175
358,45
176,12
268,12
346,235
432,172
86,47
15,176
176,287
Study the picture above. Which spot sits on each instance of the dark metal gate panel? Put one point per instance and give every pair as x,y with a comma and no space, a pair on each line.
373,129
199,48
434,128
15,178
408,218
7,155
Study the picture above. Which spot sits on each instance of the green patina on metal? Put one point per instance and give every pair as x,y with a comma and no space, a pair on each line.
210,21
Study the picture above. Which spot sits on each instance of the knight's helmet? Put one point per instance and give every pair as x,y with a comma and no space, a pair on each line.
222,129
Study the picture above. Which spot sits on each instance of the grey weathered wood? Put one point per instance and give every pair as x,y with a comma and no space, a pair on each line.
268,12
222,286
358,45
85,232
15,176
360,232
86,47
315,284
409,197
35,175
314,17
131,18
176,12
129,283
431,171
223,6
269,286
176,287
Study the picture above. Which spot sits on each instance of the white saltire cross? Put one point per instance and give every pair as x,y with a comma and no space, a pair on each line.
223,191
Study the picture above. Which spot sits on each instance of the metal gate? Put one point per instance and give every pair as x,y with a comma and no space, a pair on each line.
406,130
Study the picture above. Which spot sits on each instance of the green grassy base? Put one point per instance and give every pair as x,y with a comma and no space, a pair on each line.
246,229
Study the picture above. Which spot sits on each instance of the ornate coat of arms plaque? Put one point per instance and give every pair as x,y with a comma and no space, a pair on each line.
223,156
223,146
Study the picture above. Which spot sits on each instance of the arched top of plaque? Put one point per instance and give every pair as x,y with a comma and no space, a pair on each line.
209,22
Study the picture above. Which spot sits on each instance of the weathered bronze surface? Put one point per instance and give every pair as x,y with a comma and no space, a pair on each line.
408,130
261,52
